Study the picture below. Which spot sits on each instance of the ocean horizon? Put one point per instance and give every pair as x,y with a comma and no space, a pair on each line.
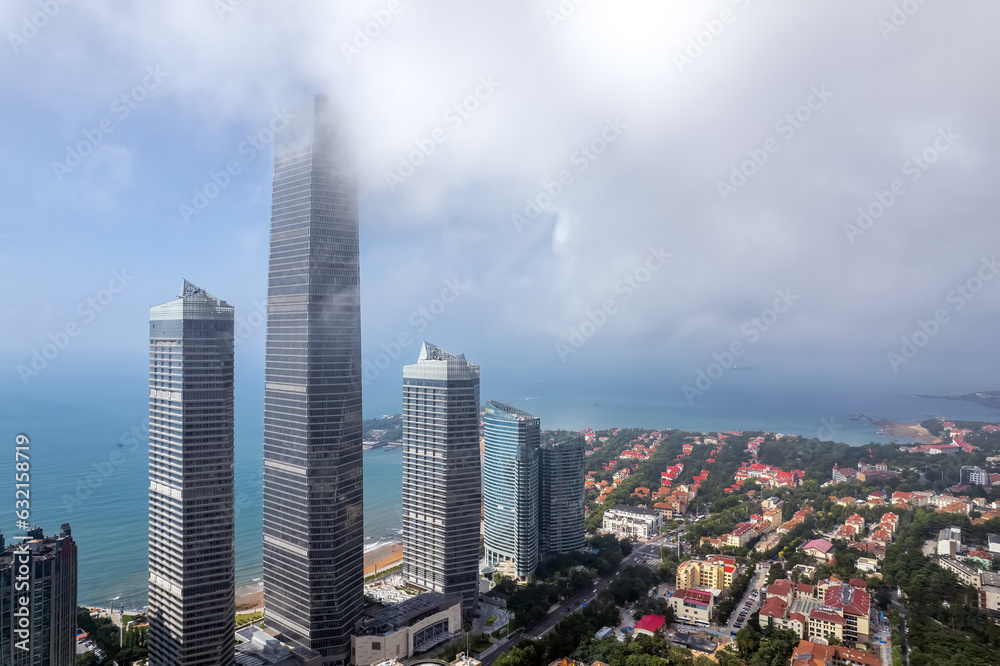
89,459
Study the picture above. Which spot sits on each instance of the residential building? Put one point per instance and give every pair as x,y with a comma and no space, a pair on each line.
561,495
442,484
975,476
993,543
408,628
48,566
716,572
192,555
817,654
693,606
821,549
817,613
989,592
966,574
632,521
313,486
843,474
510,488
869,564
949,542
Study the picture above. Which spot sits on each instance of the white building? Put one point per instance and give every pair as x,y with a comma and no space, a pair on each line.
632,521
949,542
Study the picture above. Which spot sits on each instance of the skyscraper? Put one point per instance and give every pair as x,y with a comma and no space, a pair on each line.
48,604
192,593
561,472
442,493
510,488
313,522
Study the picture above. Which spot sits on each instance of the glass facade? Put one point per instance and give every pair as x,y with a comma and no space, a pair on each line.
313,510
561,481
192,585
442,491
510,488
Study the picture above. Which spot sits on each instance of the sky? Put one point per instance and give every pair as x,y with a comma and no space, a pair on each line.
587,192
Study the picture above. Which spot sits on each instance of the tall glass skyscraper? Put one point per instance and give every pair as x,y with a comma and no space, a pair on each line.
192,585
313,512
561,480
510,488
442,492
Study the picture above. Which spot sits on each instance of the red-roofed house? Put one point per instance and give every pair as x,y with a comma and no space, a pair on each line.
815,654
649,624
692,606
821,549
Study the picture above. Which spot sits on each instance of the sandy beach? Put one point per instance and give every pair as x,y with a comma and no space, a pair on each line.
913,431
250,598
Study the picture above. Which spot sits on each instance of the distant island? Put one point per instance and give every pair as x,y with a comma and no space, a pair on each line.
986,398
385,432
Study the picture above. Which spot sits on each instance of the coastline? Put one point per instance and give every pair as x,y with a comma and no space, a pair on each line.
913,431
250,596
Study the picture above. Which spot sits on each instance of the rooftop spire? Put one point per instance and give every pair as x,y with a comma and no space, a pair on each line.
190,289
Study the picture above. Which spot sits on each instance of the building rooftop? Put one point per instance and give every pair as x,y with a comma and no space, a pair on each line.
637,510
406,613
650,623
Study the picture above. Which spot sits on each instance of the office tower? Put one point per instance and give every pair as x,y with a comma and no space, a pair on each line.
560,474
442,493
313,522
48,567
510,489
192,567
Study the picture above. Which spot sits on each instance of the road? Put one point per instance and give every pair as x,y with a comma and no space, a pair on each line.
756,583
545,624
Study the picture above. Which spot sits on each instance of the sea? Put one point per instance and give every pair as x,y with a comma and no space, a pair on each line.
88,456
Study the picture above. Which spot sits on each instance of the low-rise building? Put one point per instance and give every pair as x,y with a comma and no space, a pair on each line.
968,575
821,549
632,521
649,624
693,606
867,564
815,654
407,628
949,542
263,649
